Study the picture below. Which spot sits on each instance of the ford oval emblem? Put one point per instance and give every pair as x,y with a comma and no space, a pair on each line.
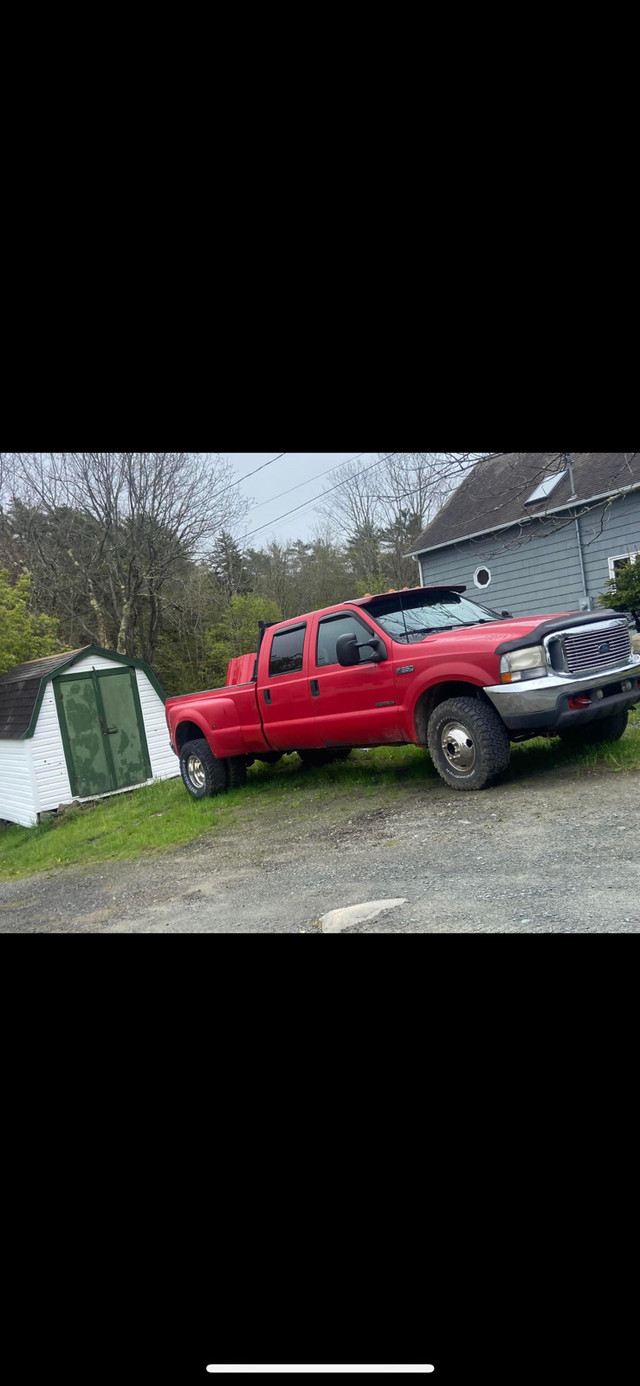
604,648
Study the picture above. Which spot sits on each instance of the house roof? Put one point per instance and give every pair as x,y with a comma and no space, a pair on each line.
494,492
22,688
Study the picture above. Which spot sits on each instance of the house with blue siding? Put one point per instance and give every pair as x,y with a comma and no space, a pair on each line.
534,532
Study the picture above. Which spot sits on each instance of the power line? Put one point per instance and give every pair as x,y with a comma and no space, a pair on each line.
320,495
346,482
305,483
247,474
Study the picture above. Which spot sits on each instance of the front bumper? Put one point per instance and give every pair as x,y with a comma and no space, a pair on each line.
543,704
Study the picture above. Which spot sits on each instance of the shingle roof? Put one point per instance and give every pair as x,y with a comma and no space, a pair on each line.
495,491
19,689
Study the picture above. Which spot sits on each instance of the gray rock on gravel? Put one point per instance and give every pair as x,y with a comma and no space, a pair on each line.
336,920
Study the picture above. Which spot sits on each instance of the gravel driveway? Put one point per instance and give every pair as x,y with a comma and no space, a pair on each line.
555,853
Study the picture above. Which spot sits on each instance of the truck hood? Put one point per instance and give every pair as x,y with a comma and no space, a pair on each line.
484,638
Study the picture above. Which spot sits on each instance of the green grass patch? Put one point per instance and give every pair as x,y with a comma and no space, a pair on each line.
542,754
163,815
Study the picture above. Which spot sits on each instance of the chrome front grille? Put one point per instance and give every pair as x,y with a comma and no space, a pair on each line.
601,646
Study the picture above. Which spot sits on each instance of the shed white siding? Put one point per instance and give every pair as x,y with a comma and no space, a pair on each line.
164,764
93,662
17,785
33,771
47,754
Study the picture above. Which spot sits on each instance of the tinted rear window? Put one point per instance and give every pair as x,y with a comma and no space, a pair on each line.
286,651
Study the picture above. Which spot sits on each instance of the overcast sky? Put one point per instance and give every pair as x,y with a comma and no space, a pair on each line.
264,491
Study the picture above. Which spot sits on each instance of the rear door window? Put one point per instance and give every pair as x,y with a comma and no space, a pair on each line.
286,651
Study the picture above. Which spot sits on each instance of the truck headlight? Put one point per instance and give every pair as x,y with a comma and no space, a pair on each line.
523,664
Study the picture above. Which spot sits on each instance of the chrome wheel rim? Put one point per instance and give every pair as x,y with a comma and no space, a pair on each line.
195,771
458,747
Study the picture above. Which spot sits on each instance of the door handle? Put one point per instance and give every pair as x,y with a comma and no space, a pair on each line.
267,695
315,688
109,731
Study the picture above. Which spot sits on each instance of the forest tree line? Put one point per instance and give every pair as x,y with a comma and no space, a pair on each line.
143,553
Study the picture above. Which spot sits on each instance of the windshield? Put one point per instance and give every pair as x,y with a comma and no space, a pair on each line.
411,616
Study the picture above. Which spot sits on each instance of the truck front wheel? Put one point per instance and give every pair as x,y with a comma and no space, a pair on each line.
468,742
202,774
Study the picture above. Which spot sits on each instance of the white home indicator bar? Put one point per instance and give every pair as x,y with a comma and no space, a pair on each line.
426,1368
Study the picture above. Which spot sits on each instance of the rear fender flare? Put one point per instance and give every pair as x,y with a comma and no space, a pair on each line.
193,719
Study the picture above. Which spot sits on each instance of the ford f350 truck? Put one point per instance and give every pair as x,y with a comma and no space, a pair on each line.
427,665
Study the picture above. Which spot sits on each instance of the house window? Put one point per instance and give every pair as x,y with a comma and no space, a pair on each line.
615,564
482,577
545,488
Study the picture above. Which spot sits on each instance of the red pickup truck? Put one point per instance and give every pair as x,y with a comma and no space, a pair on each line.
426,665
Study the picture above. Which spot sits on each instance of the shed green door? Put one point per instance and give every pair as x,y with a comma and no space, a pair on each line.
102,730
124,727
84,743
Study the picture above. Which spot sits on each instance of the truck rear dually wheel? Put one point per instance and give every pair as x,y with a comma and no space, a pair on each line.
202,774
468,742
236,772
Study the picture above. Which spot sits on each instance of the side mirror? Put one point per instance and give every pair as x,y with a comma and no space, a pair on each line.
348,650
507,613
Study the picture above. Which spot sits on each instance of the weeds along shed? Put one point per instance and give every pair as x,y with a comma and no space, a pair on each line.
79,726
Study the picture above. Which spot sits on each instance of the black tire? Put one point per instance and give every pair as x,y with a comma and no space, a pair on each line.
465,732
236,772
312,760
605,729
208,776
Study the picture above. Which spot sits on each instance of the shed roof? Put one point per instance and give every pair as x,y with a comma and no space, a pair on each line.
22,687
494,492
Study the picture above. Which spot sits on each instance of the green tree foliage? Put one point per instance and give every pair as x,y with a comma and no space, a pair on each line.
24,635
239,624
196,654
110,532
623,592
229,565
236,633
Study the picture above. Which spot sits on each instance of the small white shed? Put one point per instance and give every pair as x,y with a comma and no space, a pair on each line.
79,725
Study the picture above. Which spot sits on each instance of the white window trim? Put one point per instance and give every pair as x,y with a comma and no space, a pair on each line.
618,558
482,586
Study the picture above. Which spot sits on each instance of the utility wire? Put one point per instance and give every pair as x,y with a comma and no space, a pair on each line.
338,484
320,495
244,478
305,483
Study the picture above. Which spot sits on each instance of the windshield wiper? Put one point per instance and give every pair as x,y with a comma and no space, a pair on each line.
427,630
435,630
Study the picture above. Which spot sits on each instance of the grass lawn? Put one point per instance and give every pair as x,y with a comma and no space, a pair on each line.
164,815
